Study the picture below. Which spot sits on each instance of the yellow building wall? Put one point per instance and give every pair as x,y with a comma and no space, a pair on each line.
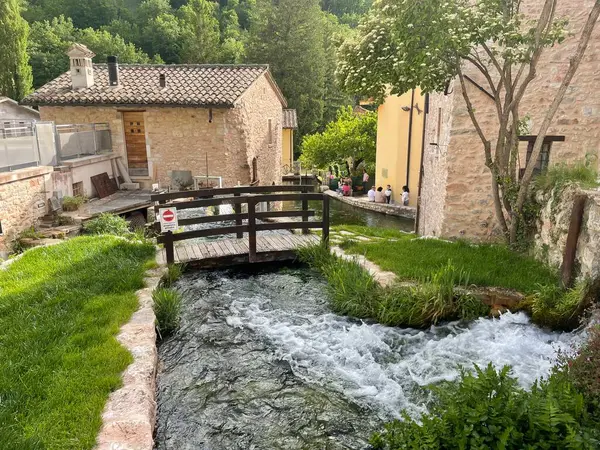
288,148
392,144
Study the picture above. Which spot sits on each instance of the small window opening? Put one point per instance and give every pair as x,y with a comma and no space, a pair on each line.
78,189
439,125
254,170
270,131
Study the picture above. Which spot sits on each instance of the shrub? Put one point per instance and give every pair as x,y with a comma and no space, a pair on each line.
107,224
72,203
556,308
174,272
488,410
583,369
167,307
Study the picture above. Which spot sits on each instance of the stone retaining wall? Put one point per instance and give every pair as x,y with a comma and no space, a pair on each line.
553,228
408,212
130,414
23,200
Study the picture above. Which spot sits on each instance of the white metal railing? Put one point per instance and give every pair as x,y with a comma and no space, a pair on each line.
77,140
18,145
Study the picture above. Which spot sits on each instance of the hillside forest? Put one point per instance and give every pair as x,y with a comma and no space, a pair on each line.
297,38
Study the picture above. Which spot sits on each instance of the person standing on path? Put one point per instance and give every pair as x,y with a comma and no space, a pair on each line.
365,180
405,195
388,194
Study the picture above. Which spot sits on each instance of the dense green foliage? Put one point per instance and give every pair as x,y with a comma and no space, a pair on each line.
167,307
488,410
583,369
107,224
411,258
60,309
15,72
354,292
351,136
297,38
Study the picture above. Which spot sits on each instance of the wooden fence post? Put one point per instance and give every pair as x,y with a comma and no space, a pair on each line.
325,233
169,248
252,229
572,238
237,208
304,208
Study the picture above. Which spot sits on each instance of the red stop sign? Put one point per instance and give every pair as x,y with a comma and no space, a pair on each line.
168,216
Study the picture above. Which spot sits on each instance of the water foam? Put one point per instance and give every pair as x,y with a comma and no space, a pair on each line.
384,368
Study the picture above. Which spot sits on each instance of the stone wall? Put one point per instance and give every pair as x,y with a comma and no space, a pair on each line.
181,138
258,108
23,200
468,209
553,228
435,164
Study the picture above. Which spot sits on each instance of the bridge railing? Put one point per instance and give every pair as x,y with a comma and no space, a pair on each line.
238,196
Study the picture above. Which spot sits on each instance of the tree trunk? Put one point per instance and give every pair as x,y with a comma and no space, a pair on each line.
537,148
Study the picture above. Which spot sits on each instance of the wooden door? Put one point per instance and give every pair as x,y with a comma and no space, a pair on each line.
135,142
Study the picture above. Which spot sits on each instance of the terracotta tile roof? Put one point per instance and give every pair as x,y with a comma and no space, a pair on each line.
290,119
186,85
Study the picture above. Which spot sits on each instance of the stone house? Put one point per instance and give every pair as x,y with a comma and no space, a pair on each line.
175,117
456,197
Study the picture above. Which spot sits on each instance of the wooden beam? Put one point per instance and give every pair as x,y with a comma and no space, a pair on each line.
570,254
207,193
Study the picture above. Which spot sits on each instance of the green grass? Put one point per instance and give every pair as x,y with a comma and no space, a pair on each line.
167,307
352,291
487,265
558,175
60,309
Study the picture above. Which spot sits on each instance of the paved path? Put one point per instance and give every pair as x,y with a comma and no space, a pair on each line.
363,202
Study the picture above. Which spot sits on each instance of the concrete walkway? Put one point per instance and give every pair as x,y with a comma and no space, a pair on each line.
408,212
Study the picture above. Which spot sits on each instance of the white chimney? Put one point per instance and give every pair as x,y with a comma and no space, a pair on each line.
82,72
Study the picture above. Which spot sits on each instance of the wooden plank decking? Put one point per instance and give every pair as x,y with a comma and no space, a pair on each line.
223,252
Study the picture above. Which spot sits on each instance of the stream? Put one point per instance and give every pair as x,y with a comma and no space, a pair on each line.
260,362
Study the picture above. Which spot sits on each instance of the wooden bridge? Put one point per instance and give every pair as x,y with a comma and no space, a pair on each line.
261,234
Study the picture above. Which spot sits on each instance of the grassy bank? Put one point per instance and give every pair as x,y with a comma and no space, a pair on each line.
60,309
411,259
354,292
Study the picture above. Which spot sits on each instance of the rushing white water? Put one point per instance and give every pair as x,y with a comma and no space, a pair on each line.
260,362
383,367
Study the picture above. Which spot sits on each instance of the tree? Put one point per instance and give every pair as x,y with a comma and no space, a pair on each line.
351,139
15,71
334,97
232,38
84,14
288,35
427,43
200,32
50,41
